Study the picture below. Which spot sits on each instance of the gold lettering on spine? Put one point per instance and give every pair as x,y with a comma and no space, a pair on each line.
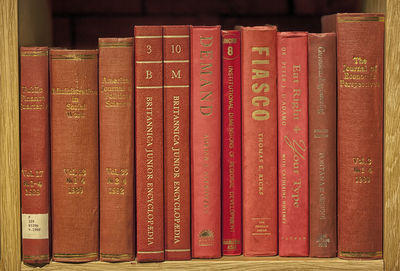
359,74
115,91
75,178
32,98
32,181
206,86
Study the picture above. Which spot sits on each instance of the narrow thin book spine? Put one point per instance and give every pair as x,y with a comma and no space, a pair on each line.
231,145
149,143
117,225
176,43
35,155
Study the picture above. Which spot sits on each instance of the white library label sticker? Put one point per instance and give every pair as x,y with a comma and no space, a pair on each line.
35,226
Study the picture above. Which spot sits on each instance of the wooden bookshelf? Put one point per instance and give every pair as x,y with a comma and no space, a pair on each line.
10,240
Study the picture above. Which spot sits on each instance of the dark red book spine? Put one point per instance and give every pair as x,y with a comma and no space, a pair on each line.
176,142
149,143
231,145
293,143
117,225
206,141
259,141
74,155
322,143
35,155
360,51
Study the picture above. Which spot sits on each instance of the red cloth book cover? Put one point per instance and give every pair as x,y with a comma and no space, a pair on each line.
176,141
74,155
231,144
117,225
259,141
322,143
149,143
360,51
35,154
206,141
293,143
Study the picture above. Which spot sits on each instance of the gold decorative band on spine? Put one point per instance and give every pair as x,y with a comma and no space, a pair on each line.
115,44
182,86
178,250
74,56
176,36
34,257
75,255
356,254
176,61
148,87
35,53
149,62
116,256
150,252
351,19
148,37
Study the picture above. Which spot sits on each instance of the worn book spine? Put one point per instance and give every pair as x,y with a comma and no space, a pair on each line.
231,144
117,225
259,141
322,143
293,143
206,141
149,143
176,43
360,47
35,154
74,155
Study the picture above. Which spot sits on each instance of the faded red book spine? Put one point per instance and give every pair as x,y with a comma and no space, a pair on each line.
206,141
176,142
149,143
360,50
322,143
35,155
231,145
74,155
117,225
259,141
293,143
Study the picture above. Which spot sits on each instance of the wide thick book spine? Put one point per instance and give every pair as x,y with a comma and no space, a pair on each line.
149,143
322,143
293,143
176,41
35,154
205,134
74,155
360,48
117,225
259,141
231,144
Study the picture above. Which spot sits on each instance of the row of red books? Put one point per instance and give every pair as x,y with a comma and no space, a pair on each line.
191,142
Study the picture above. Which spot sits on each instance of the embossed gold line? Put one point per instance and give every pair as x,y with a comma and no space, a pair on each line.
361,254
45,256
74,57
148,87
149,62
150,252
77,255
36,53
176,36
181,86
361,19
176,61
116,256
178,250
148,37
115,45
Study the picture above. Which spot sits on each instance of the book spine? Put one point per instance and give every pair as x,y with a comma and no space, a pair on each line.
293,143
35,155
149,143
322,143
259,141
116,149
74,155
176,41
231,145
206,141
360,51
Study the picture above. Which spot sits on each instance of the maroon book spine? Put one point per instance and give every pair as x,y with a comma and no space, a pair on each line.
231,145
293,143
35,155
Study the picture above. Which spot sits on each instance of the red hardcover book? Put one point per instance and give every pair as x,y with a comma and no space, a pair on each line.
360,47
35,154
176,142
231,145
149,143
117,225
259,141
206,141
322,143
74,155
293,143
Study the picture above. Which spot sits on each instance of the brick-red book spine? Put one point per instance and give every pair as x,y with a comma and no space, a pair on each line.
35,154
231,145
117,225
206,141
293,143
360,50
149,143
176,41
74,155
322,143
259,141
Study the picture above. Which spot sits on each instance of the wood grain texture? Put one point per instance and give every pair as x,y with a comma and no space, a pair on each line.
10,238
374,6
